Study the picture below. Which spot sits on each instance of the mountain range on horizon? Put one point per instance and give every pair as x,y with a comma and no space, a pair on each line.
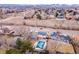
42,5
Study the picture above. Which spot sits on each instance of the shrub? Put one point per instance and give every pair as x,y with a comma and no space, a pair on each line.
21,47
38,16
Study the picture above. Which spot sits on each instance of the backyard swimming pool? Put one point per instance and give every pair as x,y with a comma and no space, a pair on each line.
54,35
42,33
40,44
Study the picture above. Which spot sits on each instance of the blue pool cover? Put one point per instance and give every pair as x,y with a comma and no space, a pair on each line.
40,44
42,33
54,35
64,38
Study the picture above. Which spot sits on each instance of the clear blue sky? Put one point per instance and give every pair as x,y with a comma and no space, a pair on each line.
39,1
